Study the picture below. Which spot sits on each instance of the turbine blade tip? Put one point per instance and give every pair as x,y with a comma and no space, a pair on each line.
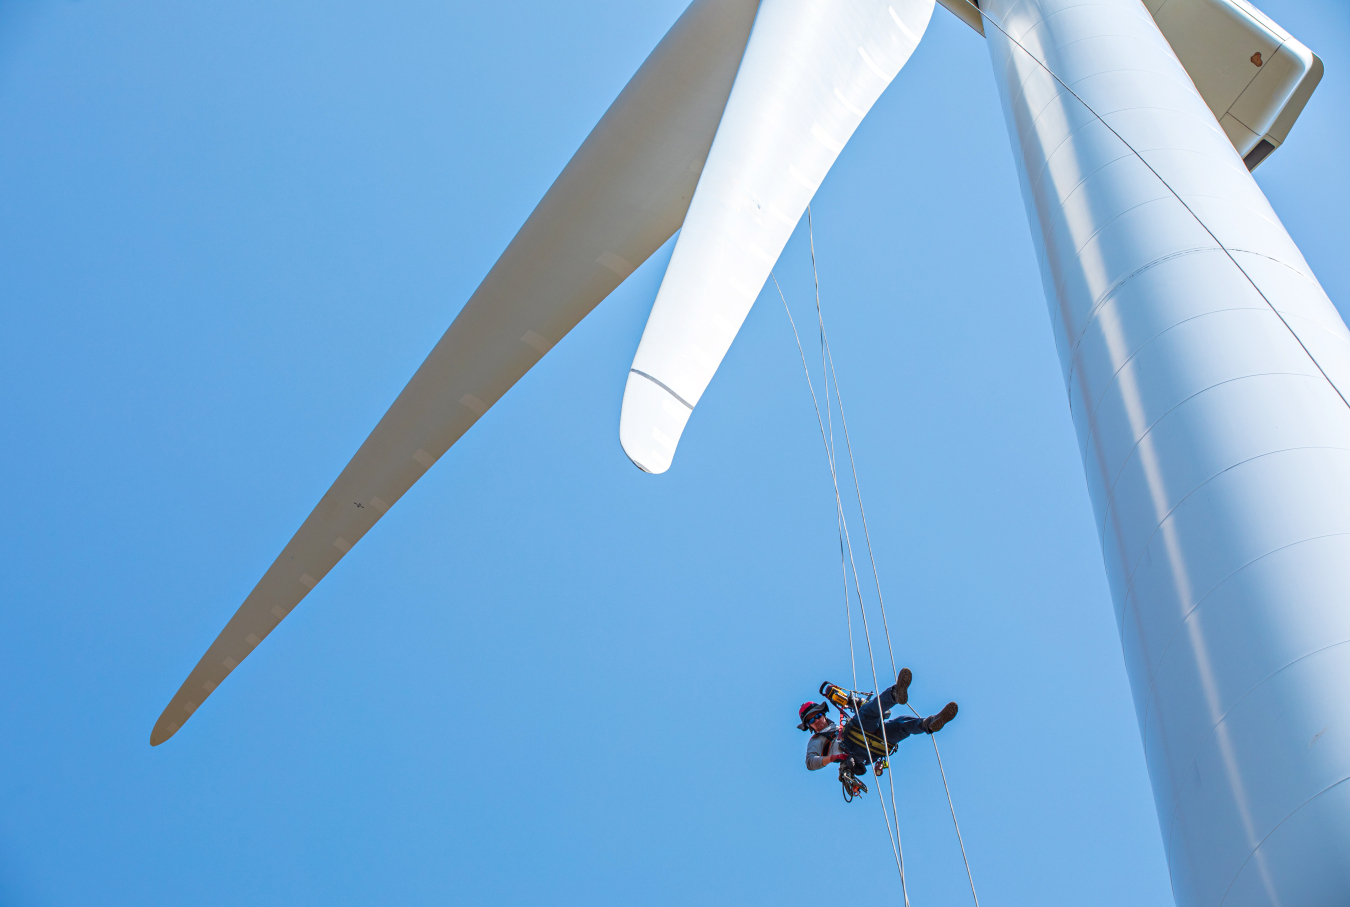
651,422
162,731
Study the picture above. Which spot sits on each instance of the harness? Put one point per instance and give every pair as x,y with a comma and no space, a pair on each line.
870,743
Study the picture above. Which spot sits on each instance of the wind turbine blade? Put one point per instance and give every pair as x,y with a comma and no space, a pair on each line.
621,196
811,72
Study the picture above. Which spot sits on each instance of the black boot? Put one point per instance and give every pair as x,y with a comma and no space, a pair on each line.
901,689
934,723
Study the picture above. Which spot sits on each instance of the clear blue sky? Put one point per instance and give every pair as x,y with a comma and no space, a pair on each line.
228,235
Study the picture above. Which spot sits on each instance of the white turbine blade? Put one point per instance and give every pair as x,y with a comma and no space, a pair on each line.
811,72
621,196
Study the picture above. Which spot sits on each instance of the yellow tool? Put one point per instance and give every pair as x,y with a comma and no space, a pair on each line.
845,699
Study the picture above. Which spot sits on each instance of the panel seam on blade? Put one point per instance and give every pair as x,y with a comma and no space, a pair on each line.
664,387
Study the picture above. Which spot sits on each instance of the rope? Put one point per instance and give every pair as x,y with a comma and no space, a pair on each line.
957,825
846,542
831,378
826,356
897,847
825,342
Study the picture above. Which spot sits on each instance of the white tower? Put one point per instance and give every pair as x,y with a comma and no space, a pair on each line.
1207,374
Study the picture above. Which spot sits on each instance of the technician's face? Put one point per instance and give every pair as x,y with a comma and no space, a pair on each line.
820,724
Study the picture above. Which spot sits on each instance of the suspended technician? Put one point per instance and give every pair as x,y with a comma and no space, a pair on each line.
868,736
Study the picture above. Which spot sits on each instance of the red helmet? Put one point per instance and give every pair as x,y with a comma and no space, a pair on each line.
809,712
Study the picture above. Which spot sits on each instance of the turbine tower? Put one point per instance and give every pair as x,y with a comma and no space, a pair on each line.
1208,374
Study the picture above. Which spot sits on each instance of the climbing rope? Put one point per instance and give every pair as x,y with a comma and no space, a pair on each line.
867,535
897,848
831,381
828,372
